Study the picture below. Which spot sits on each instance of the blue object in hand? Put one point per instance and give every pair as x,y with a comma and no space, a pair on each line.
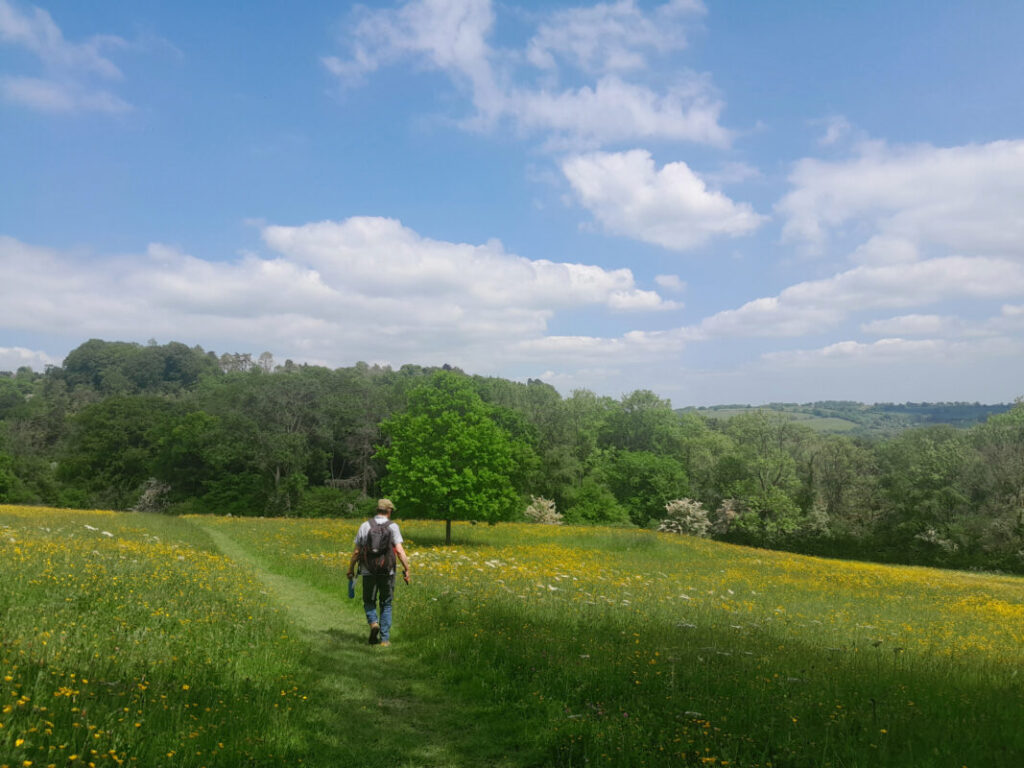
351,587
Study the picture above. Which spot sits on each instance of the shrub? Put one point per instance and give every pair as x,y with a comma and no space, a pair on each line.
727,513
593,503
154,497
686,516
542,511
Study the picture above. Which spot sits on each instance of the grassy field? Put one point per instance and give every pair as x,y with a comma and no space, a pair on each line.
136,640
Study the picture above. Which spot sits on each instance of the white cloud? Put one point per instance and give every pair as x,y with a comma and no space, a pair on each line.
837,128
671,207
69,67
609,37
13,358
614,110
965,198
380,257
630,347
54,96
670,282
885,249
816,305
452,36
896,351
363,288
912,325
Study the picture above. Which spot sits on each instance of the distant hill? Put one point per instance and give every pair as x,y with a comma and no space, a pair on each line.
859,419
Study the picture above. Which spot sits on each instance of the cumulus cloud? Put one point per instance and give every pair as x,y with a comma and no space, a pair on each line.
70,68
671,206
363,288
912,325
964,198
630,347
603,42
904,352
13,358
815,305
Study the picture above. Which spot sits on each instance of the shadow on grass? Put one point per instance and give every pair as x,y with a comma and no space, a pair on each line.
372,704
383,705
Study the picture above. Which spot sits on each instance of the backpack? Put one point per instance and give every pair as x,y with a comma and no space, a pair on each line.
378,553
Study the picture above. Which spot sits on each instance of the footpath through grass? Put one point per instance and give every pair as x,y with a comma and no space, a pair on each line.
213,641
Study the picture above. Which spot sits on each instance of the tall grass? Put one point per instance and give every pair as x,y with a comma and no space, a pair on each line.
518,646
126,640
603,646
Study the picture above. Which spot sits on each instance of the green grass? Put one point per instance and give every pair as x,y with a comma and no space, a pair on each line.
518,646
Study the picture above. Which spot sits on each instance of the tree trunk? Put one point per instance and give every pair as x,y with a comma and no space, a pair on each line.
447,533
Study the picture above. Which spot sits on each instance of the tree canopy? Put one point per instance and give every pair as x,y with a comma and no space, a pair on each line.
167,427
447,458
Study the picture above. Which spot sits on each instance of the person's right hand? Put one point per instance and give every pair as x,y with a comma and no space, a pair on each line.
405,575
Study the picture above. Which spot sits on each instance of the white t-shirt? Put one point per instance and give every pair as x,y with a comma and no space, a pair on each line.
364,532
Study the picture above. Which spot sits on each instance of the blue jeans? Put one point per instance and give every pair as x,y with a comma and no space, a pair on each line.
379,589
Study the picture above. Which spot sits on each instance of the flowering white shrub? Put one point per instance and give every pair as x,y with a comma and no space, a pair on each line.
931,536
543,511
726,514
686,516
153,498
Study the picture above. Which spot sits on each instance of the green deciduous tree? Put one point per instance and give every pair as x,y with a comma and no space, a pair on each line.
642,482
112,447
447,458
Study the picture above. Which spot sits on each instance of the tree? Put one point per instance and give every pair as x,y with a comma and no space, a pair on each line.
642,422
112,447
925,480
642,482
1000,481
764,472
592,503
273,430
447,457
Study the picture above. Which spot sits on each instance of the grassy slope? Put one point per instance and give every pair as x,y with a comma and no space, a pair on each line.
526,645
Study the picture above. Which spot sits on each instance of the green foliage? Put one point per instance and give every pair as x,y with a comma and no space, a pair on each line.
110,450
592,503
238,434
447,458
117,367
642,482
11,490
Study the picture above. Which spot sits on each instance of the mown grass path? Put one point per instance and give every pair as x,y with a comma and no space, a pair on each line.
370,704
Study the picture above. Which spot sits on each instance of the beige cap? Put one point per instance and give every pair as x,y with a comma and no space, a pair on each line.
385,505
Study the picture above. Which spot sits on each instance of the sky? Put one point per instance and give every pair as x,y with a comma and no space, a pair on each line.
720,202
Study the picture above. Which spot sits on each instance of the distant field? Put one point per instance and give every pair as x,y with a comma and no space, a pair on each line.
879,420
135,640
819,423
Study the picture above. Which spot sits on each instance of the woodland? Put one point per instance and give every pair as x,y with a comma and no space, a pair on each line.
175,429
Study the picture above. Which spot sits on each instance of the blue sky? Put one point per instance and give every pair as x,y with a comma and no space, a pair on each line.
718,201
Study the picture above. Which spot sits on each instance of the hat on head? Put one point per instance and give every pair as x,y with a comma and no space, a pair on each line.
385,505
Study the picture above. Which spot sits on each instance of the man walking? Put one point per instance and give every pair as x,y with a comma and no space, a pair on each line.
377,544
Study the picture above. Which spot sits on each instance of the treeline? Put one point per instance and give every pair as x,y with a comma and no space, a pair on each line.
181,430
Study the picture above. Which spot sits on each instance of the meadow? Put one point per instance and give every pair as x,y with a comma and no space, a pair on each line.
132,639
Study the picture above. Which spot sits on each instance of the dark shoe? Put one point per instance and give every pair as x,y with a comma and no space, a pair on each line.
374,633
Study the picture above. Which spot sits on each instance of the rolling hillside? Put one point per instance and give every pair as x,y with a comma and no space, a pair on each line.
139,639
